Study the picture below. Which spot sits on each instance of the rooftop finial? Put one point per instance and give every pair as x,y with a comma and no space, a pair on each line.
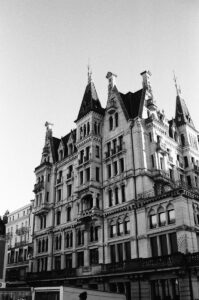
178,90
89,73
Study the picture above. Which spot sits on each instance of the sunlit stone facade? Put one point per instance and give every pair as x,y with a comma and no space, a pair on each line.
116,199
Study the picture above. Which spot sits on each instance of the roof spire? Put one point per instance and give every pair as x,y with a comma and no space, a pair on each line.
89,73
178,90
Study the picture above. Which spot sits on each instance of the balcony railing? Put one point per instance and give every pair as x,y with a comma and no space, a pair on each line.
162,147
176,260
23,230
43,208
38,187
91,213
50,275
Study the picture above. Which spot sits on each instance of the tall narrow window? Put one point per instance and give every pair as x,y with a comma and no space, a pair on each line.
186,164
87,174
97,174
81,174
97,151
110,198
123,193
116,196
69,190
154,246
152,161
115,167
163,244
58,217
68,214
116,119
110,123
109,171
121,165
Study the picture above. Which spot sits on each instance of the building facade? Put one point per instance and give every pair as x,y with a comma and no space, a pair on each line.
19,245
116,199
3,222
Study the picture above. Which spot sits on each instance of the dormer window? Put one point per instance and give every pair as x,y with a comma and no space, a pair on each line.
70,149
61,155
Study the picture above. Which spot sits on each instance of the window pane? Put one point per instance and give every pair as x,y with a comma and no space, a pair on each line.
162,219
171,216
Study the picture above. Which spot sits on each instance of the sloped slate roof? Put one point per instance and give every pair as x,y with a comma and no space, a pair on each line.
55,145
133,103
90,102
182,114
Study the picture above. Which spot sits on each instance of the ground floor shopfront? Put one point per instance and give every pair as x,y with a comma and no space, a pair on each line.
171,277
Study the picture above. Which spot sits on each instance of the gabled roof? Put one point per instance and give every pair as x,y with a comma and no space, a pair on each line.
90,102
133,103
182,115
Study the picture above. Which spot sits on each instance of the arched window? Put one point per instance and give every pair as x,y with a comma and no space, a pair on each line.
116,119
126,225
120,227
152,219
161,217
110,123
113,232
171,214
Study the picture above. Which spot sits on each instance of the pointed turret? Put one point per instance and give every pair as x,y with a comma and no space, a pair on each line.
182,115
90,100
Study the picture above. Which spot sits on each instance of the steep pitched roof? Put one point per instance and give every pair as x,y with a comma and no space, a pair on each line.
133,103
90,102
182,115
55,145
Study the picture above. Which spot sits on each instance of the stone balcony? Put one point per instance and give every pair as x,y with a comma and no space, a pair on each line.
162,147
42,209
90,214
38,187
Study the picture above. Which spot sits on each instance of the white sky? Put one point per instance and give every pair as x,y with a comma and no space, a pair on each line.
44,50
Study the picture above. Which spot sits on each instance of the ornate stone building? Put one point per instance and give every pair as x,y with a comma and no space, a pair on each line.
116,199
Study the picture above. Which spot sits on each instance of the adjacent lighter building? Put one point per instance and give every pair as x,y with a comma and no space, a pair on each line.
116,199
19,245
